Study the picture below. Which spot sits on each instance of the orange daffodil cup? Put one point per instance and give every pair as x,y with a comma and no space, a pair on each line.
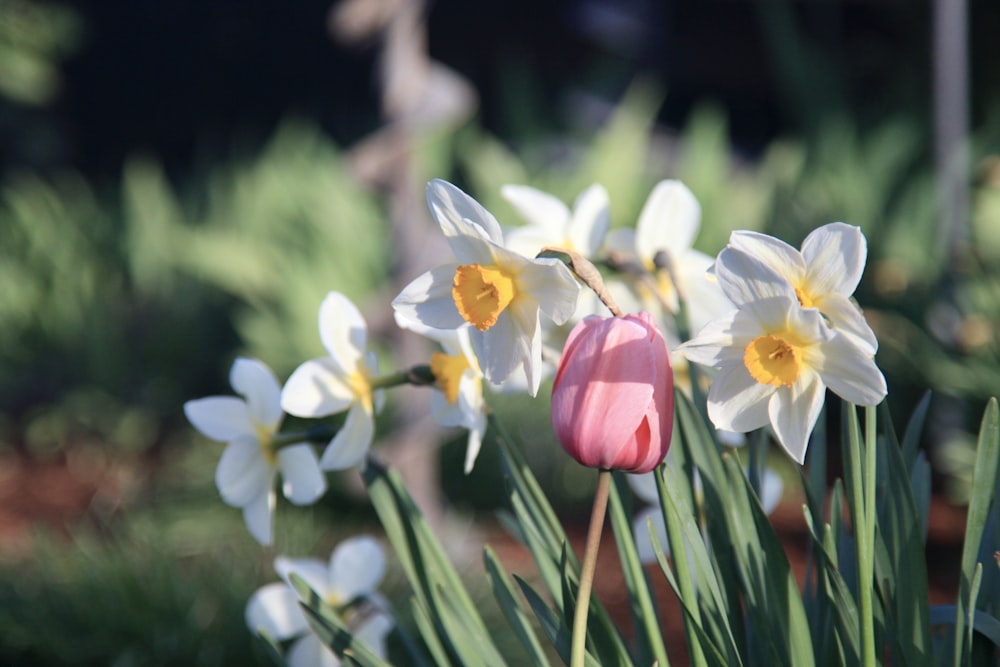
793,334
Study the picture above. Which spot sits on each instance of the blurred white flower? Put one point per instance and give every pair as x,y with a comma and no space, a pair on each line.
775,359
458,400
498,291
339,382
668,224
353,573
824,274
251,461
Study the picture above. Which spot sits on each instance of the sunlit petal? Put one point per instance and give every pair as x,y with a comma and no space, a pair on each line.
302,480
357,566
793,412
274,609
222,418
257,516
428,300
464,222
737,402
317,388
835,254
669,220
349,447
242,473
256,382
343,331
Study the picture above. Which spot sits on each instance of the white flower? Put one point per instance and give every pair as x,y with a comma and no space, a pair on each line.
550,222
339,382
775,358
824,274
669,223
246,472
355,570
498,291
458,400
644,486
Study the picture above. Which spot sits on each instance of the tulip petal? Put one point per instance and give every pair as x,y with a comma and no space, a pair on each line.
357,566
222,418
316,389
256,382
274,609
302,480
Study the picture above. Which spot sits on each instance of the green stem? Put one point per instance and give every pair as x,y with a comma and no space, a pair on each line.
416,375
587,569
863,500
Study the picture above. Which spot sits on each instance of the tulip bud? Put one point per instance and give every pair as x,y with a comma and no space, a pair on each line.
613,397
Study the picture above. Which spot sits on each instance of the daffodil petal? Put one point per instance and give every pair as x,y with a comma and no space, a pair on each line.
316,389
349,447
428,300
835,254
503,348
621,240
775,253
302,481
257,516
793,412
669,220
590,221
242,474
746,280
221,418
737,402
771,490
848,318
343,331
357,566
274,609
373,631
850,372
256,382
539,209
552,286
705,298
475,441
524,315
722,340
311,570
310,652
465,223
643,542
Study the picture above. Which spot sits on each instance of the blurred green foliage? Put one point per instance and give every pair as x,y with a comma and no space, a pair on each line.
34,36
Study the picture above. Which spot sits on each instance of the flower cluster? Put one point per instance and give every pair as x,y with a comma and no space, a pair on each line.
777,325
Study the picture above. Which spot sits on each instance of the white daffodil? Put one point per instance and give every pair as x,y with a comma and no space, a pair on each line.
550,222
824,274
251,461
339,382
668,224
459,400
355,570
496,290
644,486
775,358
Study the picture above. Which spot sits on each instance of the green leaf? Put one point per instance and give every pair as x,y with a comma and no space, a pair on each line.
645,619
503,590
554,627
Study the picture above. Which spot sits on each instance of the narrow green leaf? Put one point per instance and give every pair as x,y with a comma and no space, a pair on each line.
982,622
503,590
914,429
422,617
645,619
552,625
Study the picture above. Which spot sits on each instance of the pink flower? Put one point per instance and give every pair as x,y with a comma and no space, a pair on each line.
613,396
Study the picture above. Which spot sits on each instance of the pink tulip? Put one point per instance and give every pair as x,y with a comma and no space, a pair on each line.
613,397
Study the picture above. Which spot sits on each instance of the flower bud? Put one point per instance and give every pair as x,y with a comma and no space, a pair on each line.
613,398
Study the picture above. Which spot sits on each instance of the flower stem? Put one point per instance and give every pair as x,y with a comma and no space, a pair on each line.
587,569
863,516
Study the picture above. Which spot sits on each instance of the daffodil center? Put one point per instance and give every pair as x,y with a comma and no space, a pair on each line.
267,449
361,387
448,370
481,293
804,299
773,360
333,600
